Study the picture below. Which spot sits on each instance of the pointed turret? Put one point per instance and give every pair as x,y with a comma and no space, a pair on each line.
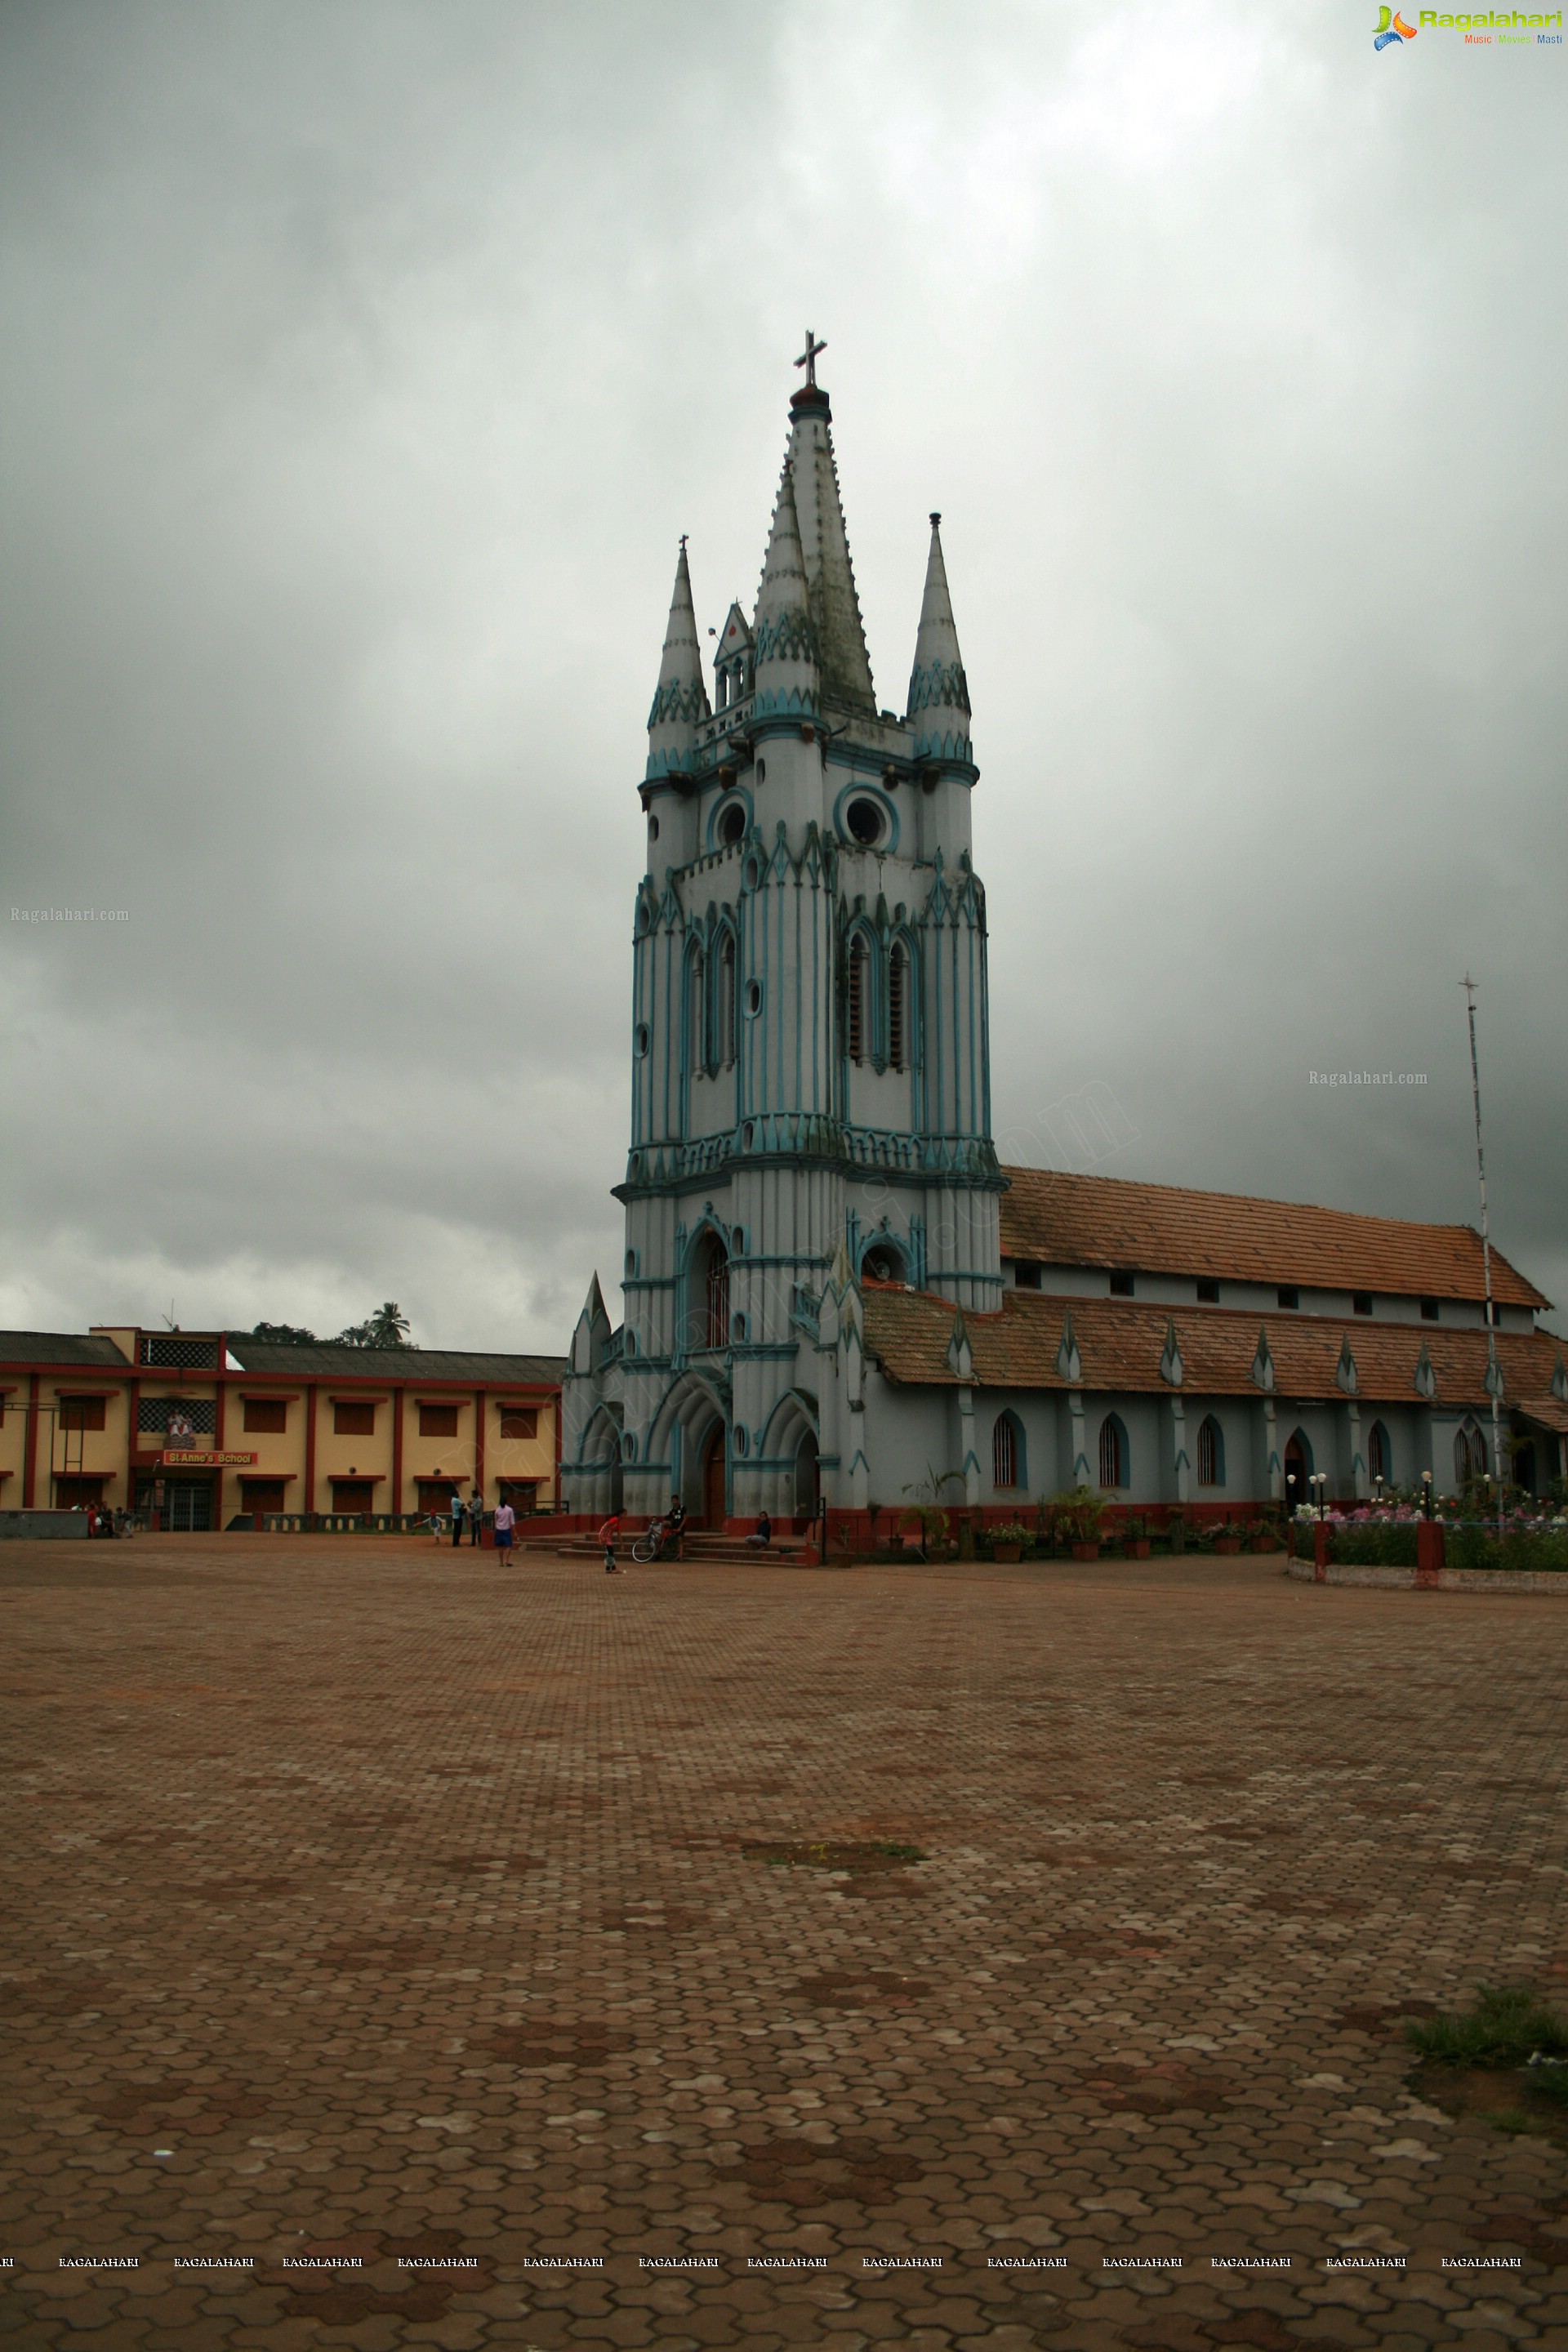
845,666
785,671
939,691
680,698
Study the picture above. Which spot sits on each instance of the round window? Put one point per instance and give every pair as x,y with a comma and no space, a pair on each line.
640,1039
732,823
864,819
753,997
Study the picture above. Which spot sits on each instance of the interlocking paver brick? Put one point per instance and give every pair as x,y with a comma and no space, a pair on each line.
407,1902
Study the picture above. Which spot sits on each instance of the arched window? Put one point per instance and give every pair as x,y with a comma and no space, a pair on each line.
1211,1453
1379,1453
1007,1451
897,1021
707,1294
858,1006
696,1014
1115,1468
1470,1455
884,1262
727,1007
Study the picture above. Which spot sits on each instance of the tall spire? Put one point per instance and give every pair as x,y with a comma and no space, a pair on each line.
846,668
787,683
680,698
939,691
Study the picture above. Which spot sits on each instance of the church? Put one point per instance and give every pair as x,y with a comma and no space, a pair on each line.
832,1289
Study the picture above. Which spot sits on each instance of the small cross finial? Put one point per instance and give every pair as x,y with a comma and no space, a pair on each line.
683,539
808,358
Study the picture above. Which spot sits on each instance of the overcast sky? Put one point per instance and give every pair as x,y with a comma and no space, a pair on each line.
361,366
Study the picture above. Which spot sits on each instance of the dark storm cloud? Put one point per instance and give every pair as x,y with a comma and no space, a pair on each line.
363,365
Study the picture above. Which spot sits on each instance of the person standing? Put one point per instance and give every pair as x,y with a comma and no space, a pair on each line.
475,1516
505,1519
457,1518
607,1535
675,1527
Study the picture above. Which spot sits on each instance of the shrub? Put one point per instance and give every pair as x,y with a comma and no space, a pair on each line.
1376,1544
1472,1545
1507,2026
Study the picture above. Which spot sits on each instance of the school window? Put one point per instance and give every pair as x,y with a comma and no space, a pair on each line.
264,1413
1113,1453
519,1421
1209,1291
437,1420
351,1419
1360,1302
1211,1454
1026,1275
1121,1286
1429,1310
1378,1451
1288,1295
83,1412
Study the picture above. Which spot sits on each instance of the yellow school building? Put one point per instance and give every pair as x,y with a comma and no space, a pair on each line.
194,1429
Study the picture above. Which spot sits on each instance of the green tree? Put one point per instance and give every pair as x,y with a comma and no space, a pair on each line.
388,1328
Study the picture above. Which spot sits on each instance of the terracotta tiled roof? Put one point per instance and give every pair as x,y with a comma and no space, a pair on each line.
1121,1342
1545,1410
1107,1221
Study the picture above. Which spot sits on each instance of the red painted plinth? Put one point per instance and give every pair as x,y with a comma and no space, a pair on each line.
1430,1550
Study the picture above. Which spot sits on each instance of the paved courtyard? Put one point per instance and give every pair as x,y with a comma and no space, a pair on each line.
405,1952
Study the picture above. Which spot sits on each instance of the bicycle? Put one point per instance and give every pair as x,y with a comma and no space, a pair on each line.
651,1544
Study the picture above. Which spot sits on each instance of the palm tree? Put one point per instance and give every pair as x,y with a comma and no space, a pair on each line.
388,1328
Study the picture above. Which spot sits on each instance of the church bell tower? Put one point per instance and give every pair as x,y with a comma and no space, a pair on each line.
810,1099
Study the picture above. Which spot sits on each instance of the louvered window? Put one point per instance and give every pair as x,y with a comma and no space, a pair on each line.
858,1001
898,983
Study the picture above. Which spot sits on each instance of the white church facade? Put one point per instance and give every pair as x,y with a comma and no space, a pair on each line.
831,1287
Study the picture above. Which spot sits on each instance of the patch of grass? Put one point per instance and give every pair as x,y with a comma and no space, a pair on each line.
1550,2083
811,1853
1512,2120
1508,2024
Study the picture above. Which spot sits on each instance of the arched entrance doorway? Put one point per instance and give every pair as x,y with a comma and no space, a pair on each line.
807,1482
1298,1470
713,1479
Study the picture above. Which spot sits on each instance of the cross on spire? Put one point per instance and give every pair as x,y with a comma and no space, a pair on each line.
808,358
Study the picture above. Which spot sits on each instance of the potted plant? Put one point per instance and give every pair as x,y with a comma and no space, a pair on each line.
1135,1540
924,1526
1262,1534
1008,1540
1226,1539
1080,1511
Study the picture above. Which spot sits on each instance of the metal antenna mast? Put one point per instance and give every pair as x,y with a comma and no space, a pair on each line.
1494,1377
